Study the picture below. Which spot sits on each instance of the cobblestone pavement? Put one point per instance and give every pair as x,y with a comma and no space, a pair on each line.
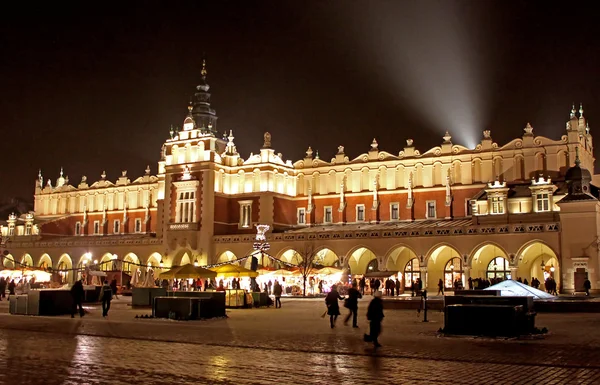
292,345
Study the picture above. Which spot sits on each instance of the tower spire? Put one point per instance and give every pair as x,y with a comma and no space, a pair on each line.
205,117
580,110
572,114
203,72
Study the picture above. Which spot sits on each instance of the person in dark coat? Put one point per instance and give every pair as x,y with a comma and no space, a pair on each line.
440,287
77,293
362,284
397,286
587,285
106,296
2,288
113,287
277,291
11,287
375,316
352,305
333,308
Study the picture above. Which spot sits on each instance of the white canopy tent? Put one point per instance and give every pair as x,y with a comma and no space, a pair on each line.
512,288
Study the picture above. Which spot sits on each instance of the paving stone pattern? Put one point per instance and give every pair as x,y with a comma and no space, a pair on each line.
292,345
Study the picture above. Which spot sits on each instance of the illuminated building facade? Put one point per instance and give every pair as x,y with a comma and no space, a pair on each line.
526,209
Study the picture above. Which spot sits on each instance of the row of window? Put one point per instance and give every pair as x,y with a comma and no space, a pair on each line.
116,227
431,212
542,203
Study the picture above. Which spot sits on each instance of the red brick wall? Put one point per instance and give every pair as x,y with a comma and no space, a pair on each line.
285,211
66,226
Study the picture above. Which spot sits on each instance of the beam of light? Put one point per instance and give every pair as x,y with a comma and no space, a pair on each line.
429,53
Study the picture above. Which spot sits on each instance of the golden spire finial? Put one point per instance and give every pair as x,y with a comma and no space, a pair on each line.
203,72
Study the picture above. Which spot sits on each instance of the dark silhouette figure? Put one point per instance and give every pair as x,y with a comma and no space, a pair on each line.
277,290
11,287
105,296
113,287
440,287
362,284
375,316
333,308
2,287
77,294
587,285
352,304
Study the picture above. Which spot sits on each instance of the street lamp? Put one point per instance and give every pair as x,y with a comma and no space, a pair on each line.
552,268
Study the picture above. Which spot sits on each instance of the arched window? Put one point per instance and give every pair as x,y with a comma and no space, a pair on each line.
519,168
373,266
498,268
412,271
453,273
63,274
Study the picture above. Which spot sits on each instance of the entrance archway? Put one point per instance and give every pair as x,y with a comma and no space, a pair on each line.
359,260
445,263
45,262
226,256
482,266
26,261
538,260
326,257
65,264
8,261
403,259
412,272
130,263
106,262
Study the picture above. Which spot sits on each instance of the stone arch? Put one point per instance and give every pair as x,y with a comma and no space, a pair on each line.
519,167
529,262
326,257
364,179
182,257
130,263
106,262
226,256
436,260
476,172
26,260
65,263
497,167
437,176
45,261
481,257
8,261
359,258
418,176
457,171
290,255
397,257
154,260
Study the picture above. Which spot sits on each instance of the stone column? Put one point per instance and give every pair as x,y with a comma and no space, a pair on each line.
467,274
424,277
513,273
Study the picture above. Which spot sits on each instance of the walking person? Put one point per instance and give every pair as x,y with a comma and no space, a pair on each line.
2,288
375,316
77,294
440,287
397,286
362,285
11,287
351,304
333,308
277,290
105,296
113,287
587,285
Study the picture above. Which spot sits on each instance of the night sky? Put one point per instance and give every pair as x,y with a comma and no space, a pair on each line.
93,86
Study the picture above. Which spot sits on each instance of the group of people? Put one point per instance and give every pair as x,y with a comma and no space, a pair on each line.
374,311
6,284
107,292
391,286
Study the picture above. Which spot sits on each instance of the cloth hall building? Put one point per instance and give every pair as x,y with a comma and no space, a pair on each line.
527,208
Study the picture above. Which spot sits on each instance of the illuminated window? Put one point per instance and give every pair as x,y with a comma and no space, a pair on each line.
453,273
186,206
116,226
245,213
78,228
412,271
543,202
11,230
431,210
360,213
497,205
96,227
301,216
28,229
328,214
498,268
394,211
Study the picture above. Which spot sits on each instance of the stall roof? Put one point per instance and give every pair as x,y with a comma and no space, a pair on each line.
380,274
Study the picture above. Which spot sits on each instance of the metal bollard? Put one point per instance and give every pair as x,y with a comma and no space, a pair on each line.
424,296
